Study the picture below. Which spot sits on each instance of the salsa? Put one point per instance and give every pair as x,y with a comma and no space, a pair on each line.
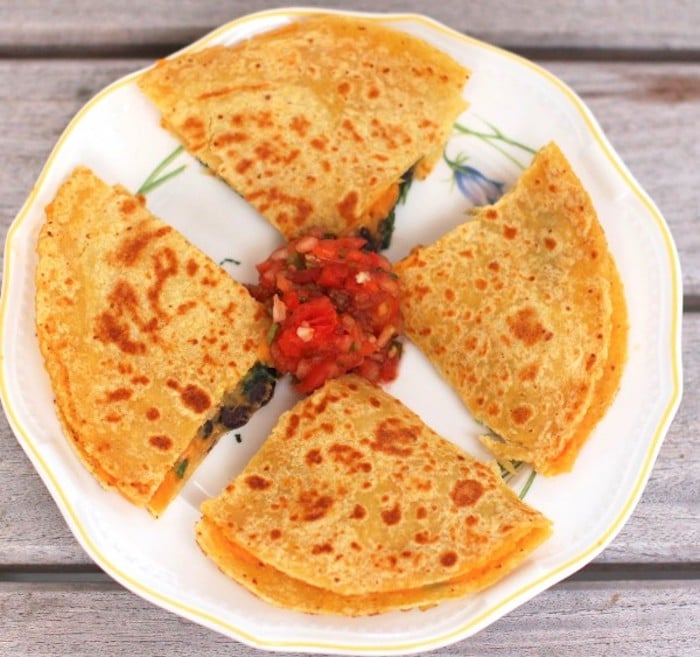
335,309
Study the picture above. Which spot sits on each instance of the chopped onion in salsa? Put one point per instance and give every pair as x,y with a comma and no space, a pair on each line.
335,309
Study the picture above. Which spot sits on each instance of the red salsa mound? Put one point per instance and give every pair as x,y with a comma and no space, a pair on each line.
335,309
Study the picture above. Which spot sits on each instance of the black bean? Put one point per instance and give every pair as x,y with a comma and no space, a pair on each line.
207,428
233,417
260,391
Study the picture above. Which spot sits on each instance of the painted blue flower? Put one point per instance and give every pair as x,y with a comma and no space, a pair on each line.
478,188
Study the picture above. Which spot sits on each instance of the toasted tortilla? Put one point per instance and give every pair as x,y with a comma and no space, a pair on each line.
142,335
354,506
317,122
521,309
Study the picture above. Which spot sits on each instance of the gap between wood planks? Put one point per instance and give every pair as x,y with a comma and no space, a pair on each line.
161,49
632,572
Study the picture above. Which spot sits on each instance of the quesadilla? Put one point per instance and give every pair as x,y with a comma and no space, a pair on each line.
354,506
522,311
152,350
316,123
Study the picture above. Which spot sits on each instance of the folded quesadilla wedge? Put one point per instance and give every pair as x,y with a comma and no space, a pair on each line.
522,311
354,506
152,350
316,123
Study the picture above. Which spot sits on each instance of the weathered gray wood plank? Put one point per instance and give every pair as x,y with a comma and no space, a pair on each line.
649,112
636,24
663,528
644,619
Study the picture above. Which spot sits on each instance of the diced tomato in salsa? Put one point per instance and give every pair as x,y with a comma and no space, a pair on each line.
335,309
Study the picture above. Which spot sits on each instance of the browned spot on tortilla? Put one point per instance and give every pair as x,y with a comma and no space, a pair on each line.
448,559
300,125
292,425
375,402
227,138
351,458
161,442
243,165
165,266
590,361
314,505
195,398
509,232
264,151
494,266
128,206
319,143
191,267
153,413
324,548
140,380
392,516
423,538
215,93
421,512
466,492
120,394
256,482
391,437
111,330
521,414
525,326
358,512
348,205
313,457
349,126
264,199
550,243
132,247
529,372
140,487
275,534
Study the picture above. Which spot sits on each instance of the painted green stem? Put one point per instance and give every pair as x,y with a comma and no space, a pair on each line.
154,181
496,136
527,485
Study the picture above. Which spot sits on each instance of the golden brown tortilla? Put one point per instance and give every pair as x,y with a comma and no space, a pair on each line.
354,506
314,123
142,336
522,311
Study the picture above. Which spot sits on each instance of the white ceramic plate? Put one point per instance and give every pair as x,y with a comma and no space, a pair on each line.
515,107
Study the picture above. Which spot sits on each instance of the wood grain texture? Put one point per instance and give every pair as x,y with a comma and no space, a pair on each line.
648,111
130,24
663,528
646,619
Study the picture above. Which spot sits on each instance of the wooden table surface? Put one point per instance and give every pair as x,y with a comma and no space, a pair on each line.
636,64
